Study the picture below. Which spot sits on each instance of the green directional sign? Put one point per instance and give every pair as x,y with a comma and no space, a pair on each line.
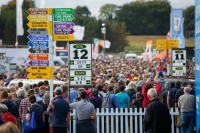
71,78
64,17
71,62
63,11
88,65
88,82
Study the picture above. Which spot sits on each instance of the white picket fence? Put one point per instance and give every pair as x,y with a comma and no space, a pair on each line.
113,122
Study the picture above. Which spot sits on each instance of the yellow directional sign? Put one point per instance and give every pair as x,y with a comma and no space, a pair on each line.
38,18
173,44
40,69
42,75
166,44
39,11
60,37
161,44
39,24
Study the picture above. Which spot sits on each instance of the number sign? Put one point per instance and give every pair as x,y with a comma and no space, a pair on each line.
80,64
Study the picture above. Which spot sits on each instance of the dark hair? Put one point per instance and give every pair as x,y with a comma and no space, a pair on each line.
64,87
184,84
34,85
127,82
83,94
138,95
32,99
120,83
110,88
100,88
4,95
116,91
177,83
46,82
40,83
121,88
138,89
20,84
95,93
147,87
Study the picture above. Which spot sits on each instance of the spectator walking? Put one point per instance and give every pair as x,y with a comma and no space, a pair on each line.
157,118
60,112
123,98
166,91
95,99
21,93
131,89
187,103
85,113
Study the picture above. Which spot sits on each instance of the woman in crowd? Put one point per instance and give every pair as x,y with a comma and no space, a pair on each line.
9,127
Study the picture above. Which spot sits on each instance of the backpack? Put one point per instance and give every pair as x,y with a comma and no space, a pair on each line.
106,102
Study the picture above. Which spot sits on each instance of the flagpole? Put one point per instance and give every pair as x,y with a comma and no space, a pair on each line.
16,26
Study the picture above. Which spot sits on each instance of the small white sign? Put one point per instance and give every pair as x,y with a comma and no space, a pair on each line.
178,57
80,77
178,71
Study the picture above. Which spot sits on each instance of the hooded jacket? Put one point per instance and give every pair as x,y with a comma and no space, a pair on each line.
9,117
12,108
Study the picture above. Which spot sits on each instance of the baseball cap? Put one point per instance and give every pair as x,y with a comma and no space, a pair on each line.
167,84
58,90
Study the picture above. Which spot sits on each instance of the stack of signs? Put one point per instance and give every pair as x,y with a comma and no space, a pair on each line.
80,64
62,24
178,62
39,31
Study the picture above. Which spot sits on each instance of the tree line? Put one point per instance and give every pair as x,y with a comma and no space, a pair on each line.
135,18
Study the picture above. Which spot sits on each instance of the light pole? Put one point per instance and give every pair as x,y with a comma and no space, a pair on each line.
103,30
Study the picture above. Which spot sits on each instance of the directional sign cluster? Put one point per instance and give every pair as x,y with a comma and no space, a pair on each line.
62,24
166,44
40,28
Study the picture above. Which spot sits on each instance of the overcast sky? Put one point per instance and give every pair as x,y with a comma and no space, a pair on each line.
94,5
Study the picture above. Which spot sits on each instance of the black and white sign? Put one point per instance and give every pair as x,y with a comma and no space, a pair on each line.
179,71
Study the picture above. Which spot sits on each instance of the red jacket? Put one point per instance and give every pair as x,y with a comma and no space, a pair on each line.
146,99
9,117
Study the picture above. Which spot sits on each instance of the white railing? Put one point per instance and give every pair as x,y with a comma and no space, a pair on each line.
109,121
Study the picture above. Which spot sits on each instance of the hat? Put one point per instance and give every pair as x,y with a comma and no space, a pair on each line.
167,84
135,78
30,92
58,90
46,97
36,90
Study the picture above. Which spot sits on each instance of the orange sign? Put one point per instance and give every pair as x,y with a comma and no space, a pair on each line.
38,56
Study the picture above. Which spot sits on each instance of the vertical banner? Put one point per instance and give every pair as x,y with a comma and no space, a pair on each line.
176,25
181,36
19,24
197,63
96,48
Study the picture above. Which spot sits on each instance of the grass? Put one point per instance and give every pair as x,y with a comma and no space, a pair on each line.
137,44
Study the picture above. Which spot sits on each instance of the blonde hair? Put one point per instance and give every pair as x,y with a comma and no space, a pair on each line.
131,85
9,127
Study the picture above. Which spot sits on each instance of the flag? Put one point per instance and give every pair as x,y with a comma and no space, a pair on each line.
96,41
176,22
78,32
20,29
107,43
150,52
181,37
96,51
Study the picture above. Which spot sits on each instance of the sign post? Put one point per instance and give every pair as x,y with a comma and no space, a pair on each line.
80,63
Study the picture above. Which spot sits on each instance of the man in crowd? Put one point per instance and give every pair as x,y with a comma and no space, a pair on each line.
157,118
187,103
60,112
85,113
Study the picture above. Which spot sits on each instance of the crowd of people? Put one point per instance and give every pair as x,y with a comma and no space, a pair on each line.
113,86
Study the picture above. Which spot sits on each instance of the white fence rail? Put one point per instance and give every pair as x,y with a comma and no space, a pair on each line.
120,121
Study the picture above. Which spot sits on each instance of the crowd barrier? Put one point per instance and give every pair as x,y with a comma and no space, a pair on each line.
120,121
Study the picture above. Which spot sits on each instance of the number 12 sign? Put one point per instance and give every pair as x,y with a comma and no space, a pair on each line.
80,56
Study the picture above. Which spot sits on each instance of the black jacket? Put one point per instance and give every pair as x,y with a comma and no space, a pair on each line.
12,108
157,118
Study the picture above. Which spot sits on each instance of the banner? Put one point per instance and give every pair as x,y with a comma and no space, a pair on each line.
181,37
79,32
96,41
20,29
107,43
176,19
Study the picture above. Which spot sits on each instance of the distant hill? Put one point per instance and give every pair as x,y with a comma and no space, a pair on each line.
138,43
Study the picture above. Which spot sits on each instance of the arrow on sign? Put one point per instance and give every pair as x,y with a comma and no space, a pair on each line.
41,44
38,63
38,18
66,17
71,78
71,62
88,65
41,31
38,56
63,11
63,31
39,11
39,50
38,37
69,37
88,82
63,24
39,24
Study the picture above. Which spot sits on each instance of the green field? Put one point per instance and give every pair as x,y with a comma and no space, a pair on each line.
137,44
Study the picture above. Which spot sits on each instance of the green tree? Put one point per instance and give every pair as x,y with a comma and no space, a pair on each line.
189,18
82,11
8,23
108,11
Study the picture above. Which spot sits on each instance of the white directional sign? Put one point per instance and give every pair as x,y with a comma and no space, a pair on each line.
179,57
80,64
178,71
80,56
80,77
